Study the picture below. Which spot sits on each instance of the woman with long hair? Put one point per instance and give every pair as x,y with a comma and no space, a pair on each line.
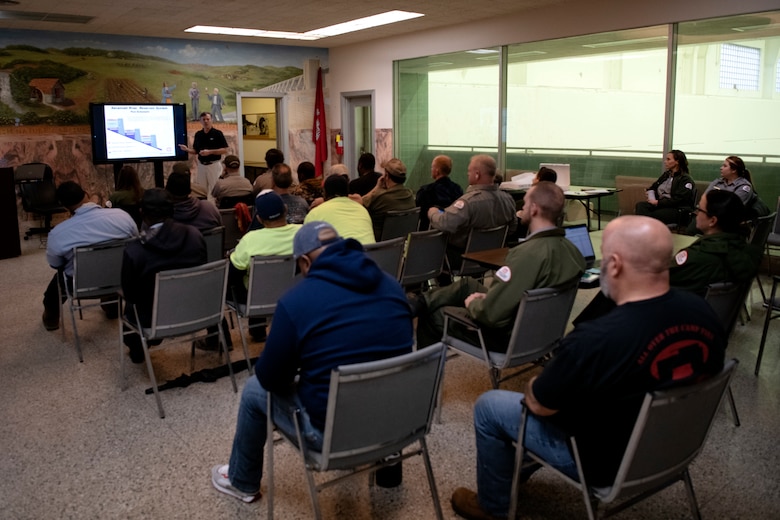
673,189
128,193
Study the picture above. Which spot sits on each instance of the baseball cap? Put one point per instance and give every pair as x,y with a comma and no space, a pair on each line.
269,205
231,161
181,167
396,170
313,235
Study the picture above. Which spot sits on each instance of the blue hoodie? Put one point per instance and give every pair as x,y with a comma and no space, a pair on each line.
346,310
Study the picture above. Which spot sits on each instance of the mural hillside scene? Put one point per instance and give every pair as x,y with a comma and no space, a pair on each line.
50,78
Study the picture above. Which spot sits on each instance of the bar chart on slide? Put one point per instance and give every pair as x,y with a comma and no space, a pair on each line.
141,131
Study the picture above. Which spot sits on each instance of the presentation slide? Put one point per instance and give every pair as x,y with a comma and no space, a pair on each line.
134,132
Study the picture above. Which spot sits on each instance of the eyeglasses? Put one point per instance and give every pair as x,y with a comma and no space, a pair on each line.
697,209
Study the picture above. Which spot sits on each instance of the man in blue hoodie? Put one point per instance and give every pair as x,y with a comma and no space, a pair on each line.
346,310
165,244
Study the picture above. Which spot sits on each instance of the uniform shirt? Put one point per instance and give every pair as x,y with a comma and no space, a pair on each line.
722,257
545,259
679,192
90,224
741,187
349,218
483,206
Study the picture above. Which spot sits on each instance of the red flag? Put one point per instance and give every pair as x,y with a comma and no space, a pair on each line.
319,132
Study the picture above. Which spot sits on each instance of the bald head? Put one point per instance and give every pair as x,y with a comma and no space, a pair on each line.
636,253
644,243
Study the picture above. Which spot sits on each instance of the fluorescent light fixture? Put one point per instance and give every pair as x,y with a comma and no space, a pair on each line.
315,34
756,27
619,43
526,53
482,51
364,23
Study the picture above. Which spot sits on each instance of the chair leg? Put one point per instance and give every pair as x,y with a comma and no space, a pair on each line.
243,342
269,442
691,495
515,490
767,319
431,481
495,377
150,369
733,407
224,347
75,329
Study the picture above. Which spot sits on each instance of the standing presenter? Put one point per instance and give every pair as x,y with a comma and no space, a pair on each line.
209,145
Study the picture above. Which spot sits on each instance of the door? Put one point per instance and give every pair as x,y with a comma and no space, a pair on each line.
357,121
262,122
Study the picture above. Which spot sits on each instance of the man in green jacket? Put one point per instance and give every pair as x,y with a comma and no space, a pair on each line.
545,259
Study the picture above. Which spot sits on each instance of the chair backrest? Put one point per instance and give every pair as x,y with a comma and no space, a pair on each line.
232,233
776,227
726,299
541,321
33,172
376,408
37,189
97,269
188,300
269,278
669,433
388,254
230,202
481,240
424,258
214,238
761,228
400,223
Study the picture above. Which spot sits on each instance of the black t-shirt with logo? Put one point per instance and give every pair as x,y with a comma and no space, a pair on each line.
599,377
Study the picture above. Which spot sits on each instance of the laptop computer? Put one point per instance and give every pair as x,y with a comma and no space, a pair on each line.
579,235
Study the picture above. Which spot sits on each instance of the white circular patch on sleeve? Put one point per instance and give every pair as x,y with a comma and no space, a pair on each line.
459,204
681,257
504,274
746,188
688,185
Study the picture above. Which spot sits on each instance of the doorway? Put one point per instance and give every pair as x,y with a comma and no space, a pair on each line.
262,122
357,121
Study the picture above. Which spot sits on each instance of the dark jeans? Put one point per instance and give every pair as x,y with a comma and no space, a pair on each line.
52,301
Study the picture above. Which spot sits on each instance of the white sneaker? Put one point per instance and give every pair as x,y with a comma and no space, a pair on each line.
220,480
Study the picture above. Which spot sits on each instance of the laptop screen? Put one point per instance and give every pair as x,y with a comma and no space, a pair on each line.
579,236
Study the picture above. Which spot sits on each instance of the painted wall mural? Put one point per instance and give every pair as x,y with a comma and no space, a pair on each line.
48,79
51,77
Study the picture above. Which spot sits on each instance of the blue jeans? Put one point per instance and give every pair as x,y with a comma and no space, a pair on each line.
496,424
246,458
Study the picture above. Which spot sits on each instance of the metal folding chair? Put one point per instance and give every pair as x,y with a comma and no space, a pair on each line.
186,301
388,254
669,433
375,409
97,274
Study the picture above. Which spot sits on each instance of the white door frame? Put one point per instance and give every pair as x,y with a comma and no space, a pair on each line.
349,101
282,143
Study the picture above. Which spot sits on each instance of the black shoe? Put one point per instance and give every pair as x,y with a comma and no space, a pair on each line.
137,356
50,322
416,304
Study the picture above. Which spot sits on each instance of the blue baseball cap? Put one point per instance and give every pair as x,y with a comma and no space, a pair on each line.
313,235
